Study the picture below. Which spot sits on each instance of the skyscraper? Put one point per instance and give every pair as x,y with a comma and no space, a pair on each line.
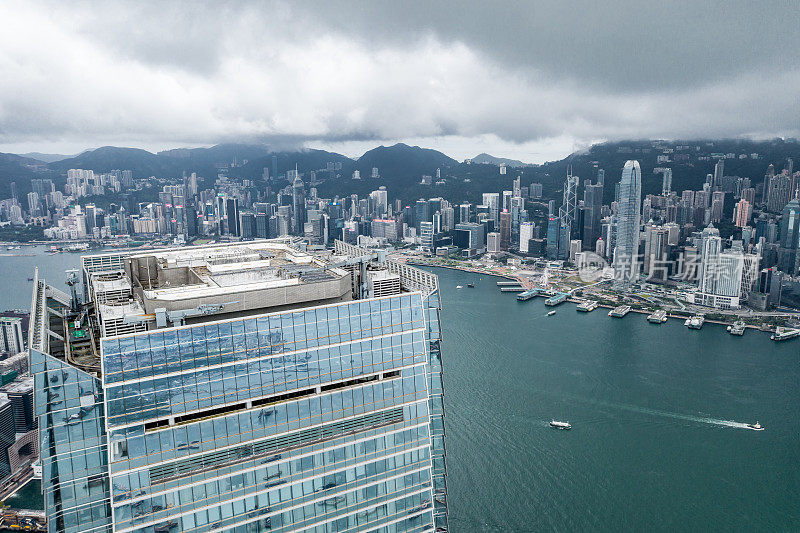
463,213
12,338
741,213
655,252
232,215
626,268
505,230
593,205
526,231
421,213
666,182
492,200
569,206
298,204
788,257
779,193
719,281
717,206
272,394
719,170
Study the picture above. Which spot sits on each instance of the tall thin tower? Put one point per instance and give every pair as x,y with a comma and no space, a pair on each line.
627,250
298,202
569,206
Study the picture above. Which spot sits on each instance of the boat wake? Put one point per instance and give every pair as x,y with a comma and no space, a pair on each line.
675,416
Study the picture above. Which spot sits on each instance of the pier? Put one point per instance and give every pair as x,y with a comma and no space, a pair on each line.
558,298
527,295
620,311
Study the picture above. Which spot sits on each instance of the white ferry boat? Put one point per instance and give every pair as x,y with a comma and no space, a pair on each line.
560,425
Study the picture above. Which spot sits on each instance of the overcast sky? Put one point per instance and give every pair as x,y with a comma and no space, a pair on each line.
529,80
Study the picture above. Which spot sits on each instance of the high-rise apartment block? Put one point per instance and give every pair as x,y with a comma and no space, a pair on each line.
241,387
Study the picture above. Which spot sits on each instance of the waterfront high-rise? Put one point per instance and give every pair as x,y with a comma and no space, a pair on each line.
721,274
241,387
628,219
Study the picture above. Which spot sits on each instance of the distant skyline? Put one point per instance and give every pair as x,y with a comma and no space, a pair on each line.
532,82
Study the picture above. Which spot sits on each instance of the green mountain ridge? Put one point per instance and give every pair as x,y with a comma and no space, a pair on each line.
401,166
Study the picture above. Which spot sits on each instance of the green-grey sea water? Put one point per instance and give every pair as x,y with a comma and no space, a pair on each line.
658,441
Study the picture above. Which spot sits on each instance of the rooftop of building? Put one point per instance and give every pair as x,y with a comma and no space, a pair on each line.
240,276
20,386
130,292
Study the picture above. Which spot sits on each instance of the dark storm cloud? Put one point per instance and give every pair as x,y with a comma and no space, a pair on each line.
335,72
615,45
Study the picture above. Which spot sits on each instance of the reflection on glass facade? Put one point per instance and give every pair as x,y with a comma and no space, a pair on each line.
69,404
325,418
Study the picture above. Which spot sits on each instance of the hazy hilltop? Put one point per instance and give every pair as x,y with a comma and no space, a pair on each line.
46,158
486,159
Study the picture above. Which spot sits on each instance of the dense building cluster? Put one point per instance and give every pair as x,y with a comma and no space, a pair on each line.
730,227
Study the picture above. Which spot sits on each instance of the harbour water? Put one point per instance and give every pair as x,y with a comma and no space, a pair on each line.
29,496
16,266
658,414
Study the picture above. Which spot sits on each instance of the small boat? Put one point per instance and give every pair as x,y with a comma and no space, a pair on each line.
756,426
30,279
551,313
459,287
560,425
587,306
471,285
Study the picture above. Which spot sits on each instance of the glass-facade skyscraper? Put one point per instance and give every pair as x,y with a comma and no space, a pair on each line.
241,387
626,260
